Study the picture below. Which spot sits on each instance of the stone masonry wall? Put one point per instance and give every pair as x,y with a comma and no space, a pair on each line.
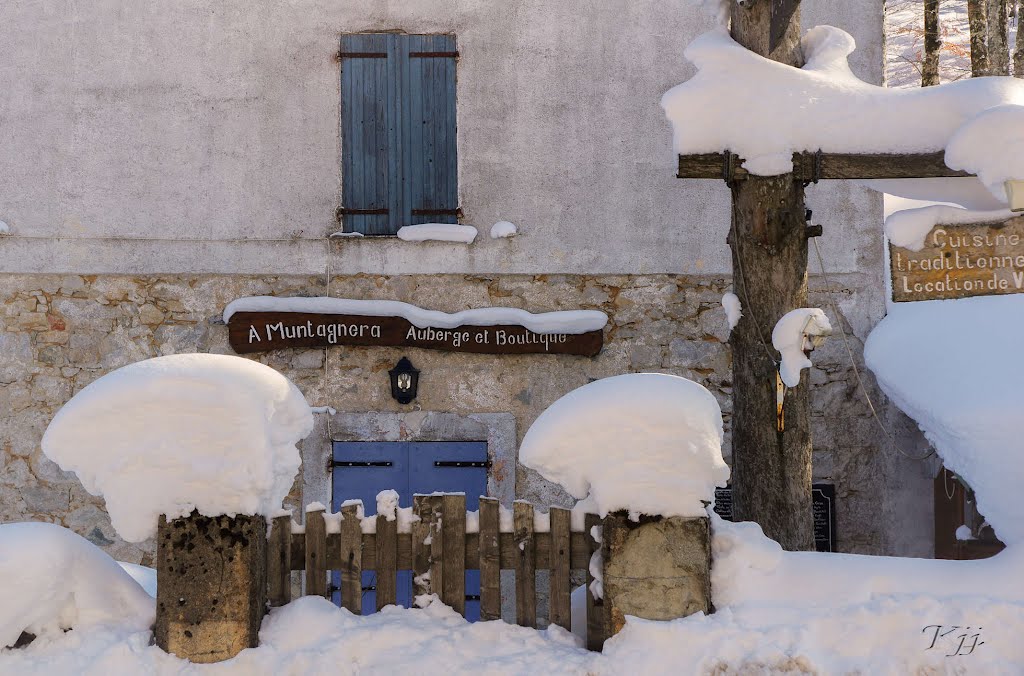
59,333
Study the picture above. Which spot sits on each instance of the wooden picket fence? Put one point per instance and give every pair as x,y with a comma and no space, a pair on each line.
439,551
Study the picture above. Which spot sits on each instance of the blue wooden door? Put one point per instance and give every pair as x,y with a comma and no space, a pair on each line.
363,469
398,130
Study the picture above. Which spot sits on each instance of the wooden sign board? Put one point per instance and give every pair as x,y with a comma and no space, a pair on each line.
960,261
263,331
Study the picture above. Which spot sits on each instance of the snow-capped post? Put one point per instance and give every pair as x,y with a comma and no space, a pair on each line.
645,452
196,450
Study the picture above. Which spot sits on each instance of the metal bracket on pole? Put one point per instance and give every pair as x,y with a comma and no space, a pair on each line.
780,398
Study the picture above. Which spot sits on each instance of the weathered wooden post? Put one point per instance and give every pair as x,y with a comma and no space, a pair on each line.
657,568
211,585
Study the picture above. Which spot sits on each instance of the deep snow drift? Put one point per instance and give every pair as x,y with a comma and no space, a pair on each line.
187,432
648,443
787,613
954,367
52,579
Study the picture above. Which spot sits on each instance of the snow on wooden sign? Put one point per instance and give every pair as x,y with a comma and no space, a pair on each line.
960,261
260,324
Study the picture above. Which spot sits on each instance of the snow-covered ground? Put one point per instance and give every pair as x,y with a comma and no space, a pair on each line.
777,612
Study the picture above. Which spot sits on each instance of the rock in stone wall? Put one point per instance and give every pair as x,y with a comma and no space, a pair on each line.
59,333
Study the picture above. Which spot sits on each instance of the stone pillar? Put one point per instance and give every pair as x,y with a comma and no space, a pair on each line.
656,568
211,585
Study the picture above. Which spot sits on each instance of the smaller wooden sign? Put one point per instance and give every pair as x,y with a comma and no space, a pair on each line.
960,261
263,331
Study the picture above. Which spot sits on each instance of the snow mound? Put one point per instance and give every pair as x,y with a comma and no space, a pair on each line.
908,228
52,579
765,111
793,336
437,232
954,367
750,568
503,229
563,321
648,443
991,145
892,634
170,435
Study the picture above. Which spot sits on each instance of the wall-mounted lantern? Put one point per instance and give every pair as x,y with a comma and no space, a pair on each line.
404,380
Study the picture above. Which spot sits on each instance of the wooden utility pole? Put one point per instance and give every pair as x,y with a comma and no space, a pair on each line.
771,470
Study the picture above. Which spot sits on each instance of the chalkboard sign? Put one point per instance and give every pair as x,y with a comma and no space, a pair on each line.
823,501
723,502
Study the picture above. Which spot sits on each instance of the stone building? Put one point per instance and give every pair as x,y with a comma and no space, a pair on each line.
161,160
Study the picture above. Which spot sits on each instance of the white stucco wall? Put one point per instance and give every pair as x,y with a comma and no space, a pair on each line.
188,137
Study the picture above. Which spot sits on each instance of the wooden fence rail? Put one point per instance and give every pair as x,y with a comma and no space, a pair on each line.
438,551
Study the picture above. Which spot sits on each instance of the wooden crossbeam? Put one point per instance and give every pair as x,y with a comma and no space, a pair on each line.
825,166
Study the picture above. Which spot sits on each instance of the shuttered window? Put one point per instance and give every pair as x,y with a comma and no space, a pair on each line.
398,128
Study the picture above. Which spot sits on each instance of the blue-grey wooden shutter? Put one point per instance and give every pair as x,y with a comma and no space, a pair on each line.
431,158
367,123
399,161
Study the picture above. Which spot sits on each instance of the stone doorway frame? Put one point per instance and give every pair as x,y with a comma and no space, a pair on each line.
497,429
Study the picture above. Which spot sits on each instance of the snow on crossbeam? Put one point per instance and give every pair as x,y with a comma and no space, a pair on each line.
815,166
766,111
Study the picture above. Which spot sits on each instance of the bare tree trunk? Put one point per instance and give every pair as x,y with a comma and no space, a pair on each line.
932,44
979,45
998,51
771,469
1018,46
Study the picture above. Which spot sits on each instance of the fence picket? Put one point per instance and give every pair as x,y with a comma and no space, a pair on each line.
420,550
453,589
436,546
490,560
597,626
351,560
279,561
387,561
526,565
316,554
439,552
559,579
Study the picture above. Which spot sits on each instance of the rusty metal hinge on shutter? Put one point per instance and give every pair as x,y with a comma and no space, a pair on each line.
427,55
361,463
463,463
341,212
438,212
